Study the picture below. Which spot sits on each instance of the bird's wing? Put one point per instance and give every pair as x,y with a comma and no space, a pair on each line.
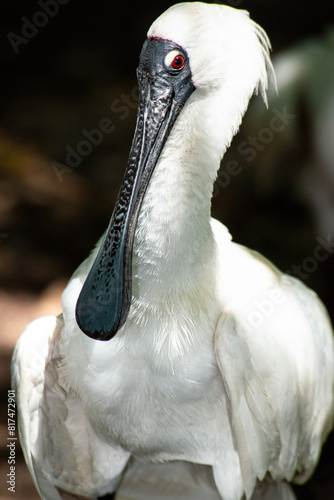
60,447
274,347
28,372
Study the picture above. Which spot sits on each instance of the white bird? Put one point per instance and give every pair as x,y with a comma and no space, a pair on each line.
197,349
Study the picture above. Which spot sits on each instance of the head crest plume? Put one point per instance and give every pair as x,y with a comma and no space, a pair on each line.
223,45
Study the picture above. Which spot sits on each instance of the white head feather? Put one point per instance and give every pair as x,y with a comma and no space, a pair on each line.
223,44
229,60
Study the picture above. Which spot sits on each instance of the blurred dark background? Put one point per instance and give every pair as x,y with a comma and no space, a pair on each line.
68,70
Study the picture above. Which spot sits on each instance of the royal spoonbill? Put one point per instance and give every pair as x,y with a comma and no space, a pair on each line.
175,343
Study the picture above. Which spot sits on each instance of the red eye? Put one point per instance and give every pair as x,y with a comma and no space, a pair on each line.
178,62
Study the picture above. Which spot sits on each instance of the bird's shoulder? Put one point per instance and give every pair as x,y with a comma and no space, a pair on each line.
241,273
274,347
55,433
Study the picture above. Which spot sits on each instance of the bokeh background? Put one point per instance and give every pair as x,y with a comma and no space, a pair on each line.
71,70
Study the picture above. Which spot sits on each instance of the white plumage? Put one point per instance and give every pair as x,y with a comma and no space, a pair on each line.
222,360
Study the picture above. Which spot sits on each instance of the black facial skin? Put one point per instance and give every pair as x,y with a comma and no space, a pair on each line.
104,302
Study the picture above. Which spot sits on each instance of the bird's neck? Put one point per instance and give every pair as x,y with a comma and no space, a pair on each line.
174,248
174,245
